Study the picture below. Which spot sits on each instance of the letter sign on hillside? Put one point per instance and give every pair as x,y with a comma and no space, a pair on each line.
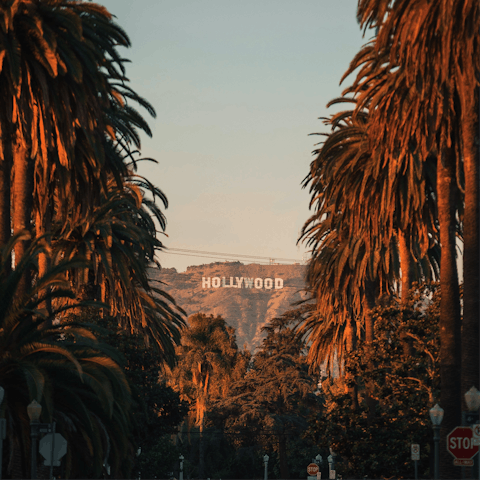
461,445
241,282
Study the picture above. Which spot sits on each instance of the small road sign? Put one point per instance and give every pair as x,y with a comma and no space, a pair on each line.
312,469
476,434
460,445
60,448
415,448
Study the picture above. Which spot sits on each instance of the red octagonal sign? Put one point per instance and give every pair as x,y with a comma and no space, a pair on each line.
460,445
312,469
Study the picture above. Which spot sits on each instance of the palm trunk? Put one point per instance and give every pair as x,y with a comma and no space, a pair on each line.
43,258
201,452
22,205
350,347
371,294
470,323
282,454
5,179
450,397
406,266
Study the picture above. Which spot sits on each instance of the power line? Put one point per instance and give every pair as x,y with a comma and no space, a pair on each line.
203,256
185,251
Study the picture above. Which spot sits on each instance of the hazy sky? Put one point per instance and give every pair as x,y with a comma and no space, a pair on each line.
238,86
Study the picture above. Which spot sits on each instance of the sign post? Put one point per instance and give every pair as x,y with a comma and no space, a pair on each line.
476,441
415,449
460,444
313,470
53,447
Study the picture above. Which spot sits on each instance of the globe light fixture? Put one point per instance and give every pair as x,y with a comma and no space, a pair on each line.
472,399
34,411
436,416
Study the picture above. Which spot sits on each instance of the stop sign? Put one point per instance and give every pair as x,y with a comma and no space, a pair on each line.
312,469
460,443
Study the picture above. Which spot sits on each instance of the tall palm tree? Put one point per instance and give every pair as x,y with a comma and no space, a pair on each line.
58,77
120,241
360,219
434,44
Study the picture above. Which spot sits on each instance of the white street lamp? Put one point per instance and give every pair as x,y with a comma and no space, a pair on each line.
436,416
181,458
472,399
265,461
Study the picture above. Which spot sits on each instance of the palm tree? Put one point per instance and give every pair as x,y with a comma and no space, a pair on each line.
433,44
77,380
205,361
119,239
59,77
360,220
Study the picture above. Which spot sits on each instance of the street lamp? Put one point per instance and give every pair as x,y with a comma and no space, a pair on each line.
472,399
34,410
436,416
3,431
181,458
265,461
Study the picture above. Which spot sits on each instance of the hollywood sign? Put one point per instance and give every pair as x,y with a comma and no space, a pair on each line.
242,282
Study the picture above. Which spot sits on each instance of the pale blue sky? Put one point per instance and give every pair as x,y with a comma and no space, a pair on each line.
237,87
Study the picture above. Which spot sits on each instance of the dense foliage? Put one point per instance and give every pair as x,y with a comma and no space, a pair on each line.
402,386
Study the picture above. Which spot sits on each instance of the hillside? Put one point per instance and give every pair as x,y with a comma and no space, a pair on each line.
247,296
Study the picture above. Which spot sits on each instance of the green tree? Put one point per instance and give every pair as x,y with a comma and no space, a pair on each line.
274,398
402,385
157,410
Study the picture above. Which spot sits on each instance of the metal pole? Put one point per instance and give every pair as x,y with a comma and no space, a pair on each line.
3,431
265,475
34,435
53,450
436,440
416,469
181,468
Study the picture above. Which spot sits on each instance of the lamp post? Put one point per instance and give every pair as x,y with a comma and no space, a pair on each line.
34,410
3,431
181,458
265,461
472,399
436,416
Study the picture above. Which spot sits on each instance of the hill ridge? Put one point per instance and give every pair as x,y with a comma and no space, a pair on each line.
265,292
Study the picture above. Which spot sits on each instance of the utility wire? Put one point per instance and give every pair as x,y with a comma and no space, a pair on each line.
261,262
185,251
